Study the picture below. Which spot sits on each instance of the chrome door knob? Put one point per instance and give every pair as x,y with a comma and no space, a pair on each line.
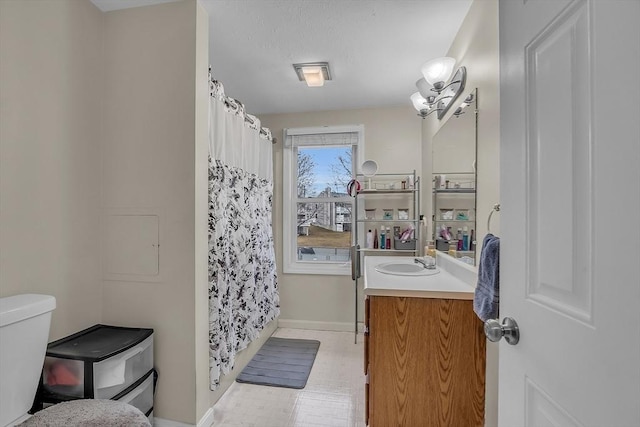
494,330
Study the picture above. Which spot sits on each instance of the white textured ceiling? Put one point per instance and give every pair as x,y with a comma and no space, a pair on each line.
375,48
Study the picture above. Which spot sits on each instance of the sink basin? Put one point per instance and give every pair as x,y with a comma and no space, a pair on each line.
405,269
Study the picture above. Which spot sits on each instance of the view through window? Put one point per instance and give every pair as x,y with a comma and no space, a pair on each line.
324,209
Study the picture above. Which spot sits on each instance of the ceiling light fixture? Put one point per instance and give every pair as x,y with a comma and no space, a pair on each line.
437,71
467,101
434,93
313,73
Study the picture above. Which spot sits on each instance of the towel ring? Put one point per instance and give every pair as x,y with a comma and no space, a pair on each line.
496,208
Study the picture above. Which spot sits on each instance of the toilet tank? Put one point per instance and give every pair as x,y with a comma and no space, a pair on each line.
24,332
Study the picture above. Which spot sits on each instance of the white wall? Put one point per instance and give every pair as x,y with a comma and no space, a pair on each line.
392,138
476,47
51,67
149,165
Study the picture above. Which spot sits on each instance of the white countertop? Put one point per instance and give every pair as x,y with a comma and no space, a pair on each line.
442,285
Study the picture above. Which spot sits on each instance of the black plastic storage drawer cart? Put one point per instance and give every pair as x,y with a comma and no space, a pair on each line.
101,362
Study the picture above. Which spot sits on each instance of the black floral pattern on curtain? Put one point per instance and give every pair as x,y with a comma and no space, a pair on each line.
243,287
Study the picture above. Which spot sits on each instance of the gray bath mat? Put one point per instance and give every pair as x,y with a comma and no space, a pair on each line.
281,362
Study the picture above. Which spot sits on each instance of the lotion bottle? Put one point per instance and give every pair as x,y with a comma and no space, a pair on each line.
388,246
369,240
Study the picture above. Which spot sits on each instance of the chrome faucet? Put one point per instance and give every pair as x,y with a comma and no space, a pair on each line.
424,264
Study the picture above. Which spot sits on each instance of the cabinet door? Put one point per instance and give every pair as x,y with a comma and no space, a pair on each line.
366,334
427,363
366,360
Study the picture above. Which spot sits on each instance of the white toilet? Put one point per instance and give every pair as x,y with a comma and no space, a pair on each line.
24,333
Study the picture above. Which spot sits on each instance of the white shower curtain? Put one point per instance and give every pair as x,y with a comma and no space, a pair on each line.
243,289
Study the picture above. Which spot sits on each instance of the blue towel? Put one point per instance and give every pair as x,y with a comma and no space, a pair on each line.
486,299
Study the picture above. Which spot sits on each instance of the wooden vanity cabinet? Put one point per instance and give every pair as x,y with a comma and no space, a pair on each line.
425,362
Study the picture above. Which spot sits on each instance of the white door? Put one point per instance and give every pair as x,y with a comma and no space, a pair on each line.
570,214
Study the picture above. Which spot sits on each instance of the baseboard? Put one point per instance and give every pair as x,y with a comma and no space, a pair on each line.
205,421
161,422
318,325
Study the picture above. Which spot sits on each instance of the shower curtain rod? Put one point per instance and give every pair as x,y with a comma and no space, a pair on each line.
239,106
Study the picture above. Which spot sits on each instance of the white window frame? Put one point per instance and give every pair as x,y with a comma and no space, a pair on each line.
290,199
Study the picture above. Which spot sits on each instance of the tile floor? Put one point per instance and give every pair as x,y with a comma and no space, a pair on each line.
333,397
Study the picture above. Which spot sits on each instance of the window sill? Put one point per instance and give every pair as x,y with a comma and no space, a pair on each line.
318,269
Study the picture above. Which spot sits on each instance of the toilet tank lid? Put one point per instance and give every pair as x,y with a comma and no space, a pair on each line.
20,307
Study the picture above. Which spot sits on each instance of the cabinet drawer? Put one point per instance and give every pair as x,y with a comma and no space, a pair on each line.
115,374
142,396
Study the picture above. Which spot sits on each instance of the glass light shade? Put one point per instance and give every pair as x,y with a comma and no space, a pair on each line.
438,70
313,76
418,101
424,88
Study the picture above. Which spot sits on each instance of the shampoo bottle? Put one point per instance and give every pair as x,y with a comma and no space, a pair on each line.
369,240
459,237
375,238
383,243
465,239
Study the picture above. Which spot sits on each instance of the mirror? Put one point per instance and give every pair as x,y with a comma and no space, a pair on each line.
454,182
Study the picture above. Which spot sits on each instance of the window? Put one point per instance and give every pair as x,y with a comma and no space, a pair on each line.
317,211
